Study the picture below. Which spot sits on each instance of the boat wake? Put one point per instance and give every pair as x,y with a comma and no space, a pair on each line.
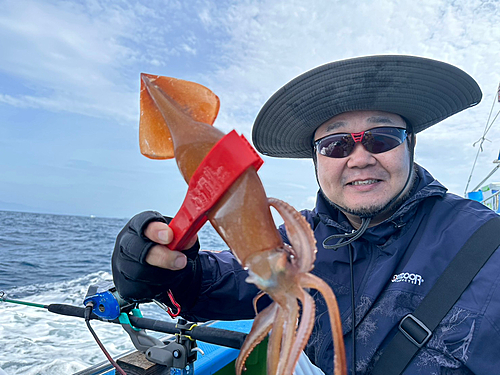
41,343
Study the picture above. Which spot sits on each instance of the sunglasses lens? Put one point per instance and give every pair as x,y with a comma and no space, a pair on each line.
335,146
375,140
380,140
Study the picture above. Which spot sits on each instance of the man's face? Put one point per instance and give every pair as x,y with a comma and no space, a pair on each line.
362,182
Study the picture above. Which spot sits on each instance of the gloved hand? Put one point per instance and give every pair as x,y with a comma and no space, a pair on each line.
145,269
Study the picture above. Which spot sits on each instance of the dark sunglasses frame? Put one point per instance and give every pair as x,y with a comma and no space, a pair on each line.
375,140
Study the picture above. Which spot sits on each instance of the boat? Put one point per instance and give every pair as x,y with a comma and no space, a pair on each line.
212,347
209,348
215,360
487,194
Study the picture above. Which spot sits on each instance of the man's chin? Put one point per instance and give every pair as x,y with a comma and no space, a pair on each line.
368,211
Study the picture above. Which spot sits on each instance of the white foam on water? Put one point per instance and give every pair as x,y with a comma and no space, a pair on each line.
43,247
35,341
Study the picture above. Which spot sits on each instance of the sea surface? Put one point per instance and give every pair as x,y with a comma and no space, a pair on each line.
47,259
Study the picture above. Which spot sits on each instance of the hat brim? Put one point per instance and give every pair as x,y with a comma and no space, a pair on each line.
421,90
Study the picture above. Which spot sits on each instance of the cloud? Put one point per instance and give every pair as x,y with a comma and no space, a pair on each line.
270,42
64,58
85,58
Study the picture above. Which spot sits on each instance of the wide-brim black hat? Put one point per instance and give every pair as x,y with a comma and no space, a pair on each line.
421,90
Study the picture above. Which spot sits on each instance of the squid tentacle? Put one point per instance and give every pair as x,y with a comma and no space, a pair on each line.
308,280
260,328
274,343
299,233
256,299
304,330
288,339
291,311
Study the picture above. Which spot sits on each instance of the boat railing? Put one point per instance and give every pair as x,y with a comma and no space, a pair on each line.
492,201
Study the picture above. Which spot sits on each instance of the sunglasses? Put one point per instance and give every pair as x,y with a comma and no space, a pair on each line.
376,141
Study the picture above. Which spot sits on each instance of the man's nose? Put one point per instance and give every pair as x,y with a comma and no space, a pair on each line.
360,157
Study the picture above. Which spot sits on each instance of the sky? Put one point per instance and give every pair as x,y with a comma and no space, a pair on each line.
69,88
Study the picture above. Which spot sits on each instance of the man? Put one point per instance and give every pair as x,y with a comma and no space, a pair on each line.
385,228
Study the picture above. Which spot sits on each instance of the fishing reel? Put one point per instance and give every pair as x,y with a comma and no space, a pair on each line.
106,303
178,353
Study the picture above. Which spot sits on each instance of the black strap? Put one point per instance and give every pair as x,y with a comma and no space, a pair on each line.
416,329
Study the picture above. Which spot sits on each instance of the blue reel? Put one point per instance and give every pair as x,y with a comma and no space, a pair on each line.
106,301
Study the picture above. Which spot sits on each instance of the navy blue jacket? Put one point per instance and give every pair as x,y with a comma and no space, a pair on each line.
432,225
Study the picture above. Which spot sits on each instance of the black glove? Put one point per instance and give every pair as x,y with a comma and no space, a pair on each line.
137,280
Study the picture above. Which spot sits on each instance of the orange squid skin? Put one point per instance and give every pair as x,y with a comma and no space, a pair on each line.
242,216
176,119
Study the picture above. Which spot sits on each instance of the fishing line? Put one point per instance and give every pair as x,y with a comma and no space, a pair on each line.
3,299
88,312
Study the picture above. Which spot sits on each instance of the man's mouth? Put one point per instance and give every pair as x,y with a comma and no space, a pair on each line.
363,182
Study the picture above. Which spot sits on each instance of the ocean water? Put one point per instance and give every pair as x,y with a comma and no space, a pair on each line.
49,259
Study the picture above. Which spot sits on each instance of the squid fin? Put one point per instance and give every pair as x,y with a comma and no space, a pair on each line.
189,98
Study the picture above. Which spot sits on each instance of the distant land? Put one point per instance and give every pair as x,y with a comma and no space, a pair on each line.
17,207
9,206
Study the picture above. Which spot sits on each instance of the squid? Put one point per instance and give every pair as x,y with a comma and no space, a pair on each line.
176,122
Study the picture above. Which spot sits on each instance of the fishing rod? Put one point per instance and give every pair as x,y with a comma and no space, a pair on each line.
211,335
178,353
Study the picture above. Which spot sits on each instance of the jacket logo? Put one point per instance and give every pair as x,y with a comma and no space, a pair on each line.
407,277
